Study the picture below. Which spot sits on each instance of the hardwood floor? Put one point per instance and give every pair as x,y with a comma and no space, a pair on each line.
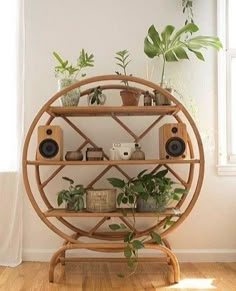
103,277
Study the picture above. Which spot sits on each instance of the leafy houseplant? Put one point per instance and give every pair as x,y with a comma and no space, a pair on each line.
67,74
173,46
96,97
159,191
145,185
73,196
129,97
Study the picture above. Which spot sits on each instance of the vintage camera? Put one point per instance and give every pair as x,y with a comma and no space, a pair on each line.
122,151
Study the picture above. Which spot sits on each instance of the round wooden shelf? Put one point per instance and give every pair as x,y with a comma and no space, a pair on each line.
194,164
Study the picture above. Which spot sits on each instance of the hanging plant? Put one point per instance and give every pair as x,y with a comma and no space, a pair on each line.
188,10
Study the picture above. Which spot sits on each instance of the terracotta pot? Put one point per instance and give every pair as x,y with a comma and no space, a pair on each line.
130,97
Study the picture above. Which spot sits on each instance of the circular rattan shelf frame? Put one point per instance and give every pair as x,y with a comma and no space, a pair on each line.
81,232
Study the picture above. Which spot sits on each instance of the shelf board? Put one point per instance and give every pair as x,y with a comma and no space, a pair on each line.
60,212
110,110
113,162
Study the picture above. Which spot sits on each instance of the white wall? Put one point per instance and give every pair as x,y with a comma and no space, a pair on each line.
104,27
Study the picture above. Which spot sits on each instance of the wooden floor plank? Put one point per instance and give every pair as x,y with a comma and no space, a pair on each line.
30,276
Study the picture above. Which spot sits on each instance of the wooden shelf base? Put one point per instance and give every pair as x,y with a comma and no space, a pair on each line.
60,255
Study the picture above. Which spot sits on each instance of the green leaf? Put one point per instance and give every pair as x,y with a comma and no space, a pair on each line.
180,190
141,173
170,56
125,200
166,34
60,198
127,252
138,187
150,50
59,59
130,263
199,55
180,53
114,226
128,236
124,211
161,174
156,237
190,27
68,179
137,244
131,199
115,182
123,226
119,198
154,36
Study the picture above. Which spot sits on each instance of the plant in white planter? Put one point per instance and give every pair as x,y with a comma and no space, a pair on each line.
68,73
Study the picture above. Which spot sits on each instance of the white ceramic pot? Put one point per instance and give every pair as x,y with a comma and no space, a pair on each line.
72,97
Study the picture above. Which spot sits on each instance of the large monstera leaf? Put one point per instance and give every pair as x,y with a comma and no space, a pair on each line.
175,46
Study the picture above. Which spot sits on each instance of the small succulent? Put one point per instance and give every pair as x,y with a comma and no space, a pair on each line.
96,96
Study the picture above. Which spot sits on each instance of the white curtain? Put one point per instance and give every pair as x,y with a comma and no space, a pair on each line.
11,131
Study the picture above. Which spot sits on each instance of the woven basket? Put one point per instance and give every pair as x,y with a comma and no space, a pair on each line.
101,200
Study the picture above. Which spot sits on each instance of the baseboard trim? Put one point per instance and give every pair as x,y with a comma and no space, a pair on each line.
183,255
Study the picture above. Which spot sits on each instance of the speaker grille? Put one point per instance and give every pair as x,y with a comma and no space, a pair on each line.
175,146
48,148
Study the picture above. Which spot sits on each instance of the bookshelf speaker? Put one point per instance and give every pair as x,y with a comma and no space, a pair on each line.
173,141
50,143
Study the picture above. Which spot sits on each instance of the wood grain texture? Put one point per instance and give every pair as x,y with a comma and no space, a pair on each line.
92,276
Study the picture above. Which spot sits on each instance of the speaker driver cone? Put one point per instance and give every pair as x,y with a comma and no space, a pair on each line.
48,148
175,146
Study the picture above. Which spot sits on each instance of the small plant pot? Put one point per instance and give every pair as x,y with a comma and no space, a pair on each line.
72,97
70,206
101,200
96,100
130,97
160,99
74,156
149,205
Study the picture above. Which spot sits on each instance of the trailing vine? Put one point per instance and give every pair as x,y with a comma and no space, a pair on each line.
188,11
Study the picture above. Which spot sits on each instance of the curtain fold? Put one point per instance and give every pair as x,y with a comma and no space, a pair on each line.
11,186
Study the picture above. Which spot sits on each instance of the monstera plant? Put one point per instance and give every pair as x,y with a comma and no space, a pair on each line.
173,46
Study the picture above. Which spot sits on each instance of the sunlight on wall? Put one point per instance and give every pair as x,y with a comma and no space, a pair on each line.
201,284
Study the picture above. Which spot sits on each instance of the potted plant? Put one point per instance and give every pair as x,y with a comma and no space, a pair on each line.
73,196
96,97
130,97
159,191
146,192
67,74
173,47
